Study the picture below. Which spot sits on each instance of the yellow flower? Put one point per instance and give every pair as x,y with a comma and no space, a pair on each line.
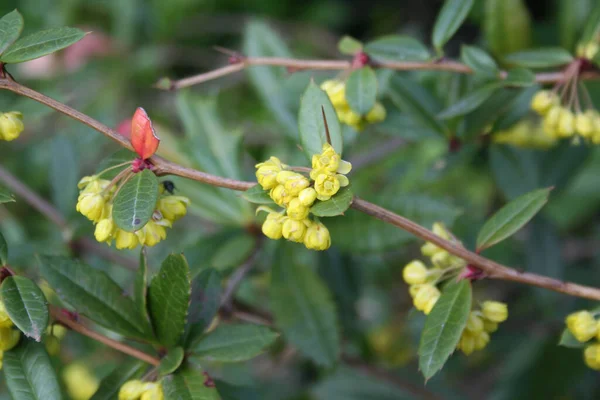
125,240
52,345
153,392
294,230
272,227
91,206
426,298
566,123
415,273
429,249
474,324
280,196
317,237
328,160
551,120
489,326
591,356
153,232
5,321
543,101
266,172
336,90
132,390
81,384
377,114
295,184
297,210
584,124
481,340
11,125
326,186
173,207
582,325
494,311
467,343
8,338
105,230
307,196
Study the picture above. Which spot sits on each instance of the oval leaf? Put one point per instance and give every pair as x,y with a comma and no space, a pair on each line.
135,203
206,298
397,48
29,373
349,45
479,61
361,90
511,218
540,58
40,44
143,137
175,388
256,194
26,305
451,17
470,102
11,26
519,77
6,196
311,124
109,387
171,361
3,251
169,298
233,343
337,205
507,26
444,326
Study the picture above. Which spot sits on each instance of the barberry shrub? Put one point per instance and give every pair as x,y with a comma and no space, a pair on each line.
343,265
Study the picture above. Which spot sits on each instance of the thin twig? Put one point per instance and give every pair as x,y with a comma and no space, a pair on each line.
236,279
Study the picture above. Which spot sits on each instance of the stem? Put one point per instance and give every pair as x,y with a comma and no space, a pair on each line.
113,167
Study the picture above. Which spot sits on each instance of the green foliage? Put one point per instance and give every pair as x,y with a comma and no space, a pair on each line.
361,90
479,61
451,17
256,194
6,196
470,102
349,45
507,26
336,205
110,385
3,251
26,305
171,361
40,44
11,26
233,343
397,48
540,58
135,202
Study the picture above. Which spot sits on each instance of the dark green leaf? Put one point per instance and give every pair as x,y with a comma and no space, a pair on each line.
444,326
337,205
6,196
397,48
196,384
592,26
3,251
64,174
29,373
450,18
206,298
175,388
109,386
540,58
41,43
348,45
311,125
470,102
135,203
361,90
233,392
26,305
11,26
519,77
510,218
93,294
169,299
479,61
507,26
568,340
140,289
171,361
233,343
256,194
233,251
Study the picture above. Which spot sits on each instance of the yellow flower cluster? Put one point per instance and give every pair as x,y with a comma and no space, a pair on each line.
9,337
296,193
11,125
95,202
527,134
138,390
584,327
423,280
336,90
480,325
80,382
561,122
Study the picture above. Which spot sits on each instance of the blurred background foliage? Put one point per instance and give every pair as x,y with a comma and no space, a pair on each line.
225,126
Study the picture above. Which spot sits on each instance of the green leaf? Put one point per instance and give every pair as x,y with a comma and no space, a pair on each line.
479,61
94,294
361,90
592,26
195,381
451,17
311,125
140,289
519,77
303,308
256,194
397,48
507,26
109,386
568,340
3,251
26,305
29,373
171,361
233,251
64,174
169,299
119,157
510,218
337,205
233,343
348,45
40,44
6,196
470,102
540,58
11,26
135,203
444,326
175,388
206,298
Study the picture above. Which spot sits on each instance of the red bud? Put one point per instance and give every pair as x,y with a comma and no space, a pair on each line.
143,138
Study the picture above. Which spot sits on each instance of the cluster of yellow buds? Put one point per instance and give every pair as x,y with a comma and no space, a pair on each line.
336,90
423,280
9,337
296,193
11,125
95,202
584,327
480,325
80,382
138,390
527,134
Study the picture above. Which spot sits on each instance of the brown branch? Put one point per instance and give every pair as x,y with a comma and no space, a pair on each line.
164,167
236,279
64,319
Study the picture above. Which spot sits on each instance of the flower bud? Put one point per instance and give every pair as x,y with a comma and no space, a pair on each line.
126,240
489,326
307,196
152,233
582,325
413,290
543,101
584,124
591,356
294,230
11,125
442,259
283,176
91,206
474,324
336,90
494,311
326,186
481,340
317,237
278,194
52,345
173,207
425,295
296,210
377,114
467,343
429,249
81,384
132,390
272,227
415,273
566,123
267,177
294,185
153,392
430,304
104,230
8,338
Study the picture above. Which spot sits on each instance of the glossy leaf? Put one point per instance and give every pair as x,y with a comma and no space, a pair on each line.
175,388
3,251
519,77
6,196
450,18
134,205
40,44
444,326
143,137
311,124
512,217
206,298
397,48
348,45
470,102
256,194
568,340
26,305
11,26
337,205
361,90
170,362
169,298
94,294
545,57
109,386
233,343
479,61
29,373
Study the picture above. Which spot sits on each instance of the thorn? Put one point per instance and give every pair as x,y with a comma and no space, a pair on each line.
326,126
